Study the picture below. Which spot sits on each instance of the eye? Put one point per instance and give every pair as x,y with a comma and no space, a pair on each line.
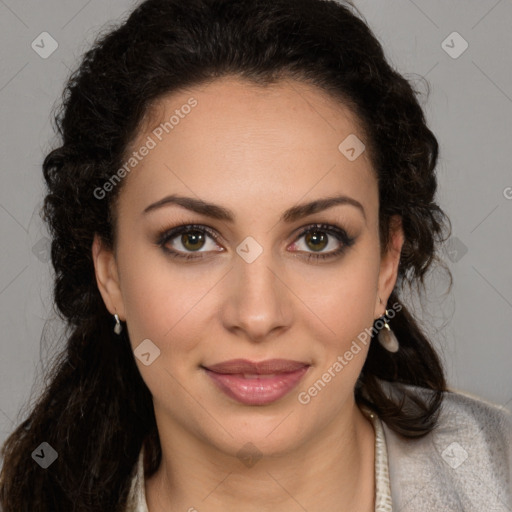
183,241
320,236
192,237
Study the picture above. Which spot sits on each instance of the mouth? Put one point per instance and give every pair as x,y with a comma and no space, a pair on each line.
266,367
256,383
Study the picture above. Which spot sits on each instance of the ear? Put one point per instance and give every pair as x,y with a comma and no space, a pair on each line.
389,265
107,277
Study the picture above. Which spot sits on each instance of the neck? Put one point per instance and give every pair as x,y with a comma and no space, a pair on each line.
333,471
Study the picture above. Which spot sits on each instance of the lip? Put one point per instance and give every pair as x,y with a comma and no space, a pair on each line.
269,380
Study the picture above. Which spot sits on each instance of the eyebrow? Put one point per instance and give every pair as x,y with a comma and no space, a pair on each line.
220,213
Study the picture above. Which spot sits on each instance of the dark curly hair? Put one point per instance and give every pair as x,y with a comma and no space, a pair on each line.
96,411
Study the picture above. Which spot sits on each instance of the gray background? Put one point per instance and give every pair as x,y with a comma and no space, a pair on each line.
469,110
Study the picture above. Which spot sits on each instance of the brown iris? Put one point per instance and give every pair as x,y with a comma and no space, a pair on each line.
318,238
192,240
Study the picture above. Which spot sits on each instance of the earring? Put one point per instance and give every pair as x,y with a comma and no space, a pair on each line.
387,338
118,327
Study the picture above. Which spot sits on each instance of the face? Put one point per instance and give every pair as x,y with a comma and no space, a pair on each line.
257,276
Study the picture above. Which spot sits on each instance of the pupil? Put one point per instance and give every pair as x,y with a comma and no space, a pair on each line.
316,238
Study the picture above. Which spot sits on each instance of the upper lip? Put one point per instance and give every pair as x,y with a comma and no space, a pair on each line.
266,367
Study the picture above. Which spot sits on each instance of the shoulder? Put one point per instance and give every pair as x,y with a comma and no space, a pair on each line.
464,464
490,422
475,420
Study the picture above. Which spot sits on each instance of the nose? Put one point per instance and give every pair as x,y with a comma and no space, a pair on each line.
258,304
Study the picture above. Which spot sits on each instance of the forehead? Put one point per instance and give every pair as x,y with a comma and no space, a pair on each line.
232,137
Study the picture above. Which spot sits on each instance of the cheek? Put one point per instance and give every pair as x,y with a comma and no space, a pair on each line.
343,299
342,329
160,299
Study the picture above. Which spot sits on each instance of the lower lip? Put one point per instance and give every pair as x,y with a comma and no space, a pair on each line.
257,391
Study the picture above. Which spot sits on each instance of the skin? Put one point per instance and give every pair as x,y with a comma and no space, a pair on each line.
256,151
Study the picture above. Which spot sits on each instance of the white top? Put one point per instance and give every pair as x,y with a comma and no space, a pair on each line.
137,496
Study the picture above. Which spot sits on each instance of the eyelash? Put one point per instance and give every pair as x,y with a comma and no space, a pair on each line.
338,233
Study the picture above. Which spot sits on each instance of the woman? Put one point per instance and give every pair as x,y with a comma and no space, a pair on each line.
242,193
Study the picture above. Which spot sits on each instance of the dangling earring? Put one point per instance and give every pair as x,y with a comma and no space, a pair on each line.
387,337
118,327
